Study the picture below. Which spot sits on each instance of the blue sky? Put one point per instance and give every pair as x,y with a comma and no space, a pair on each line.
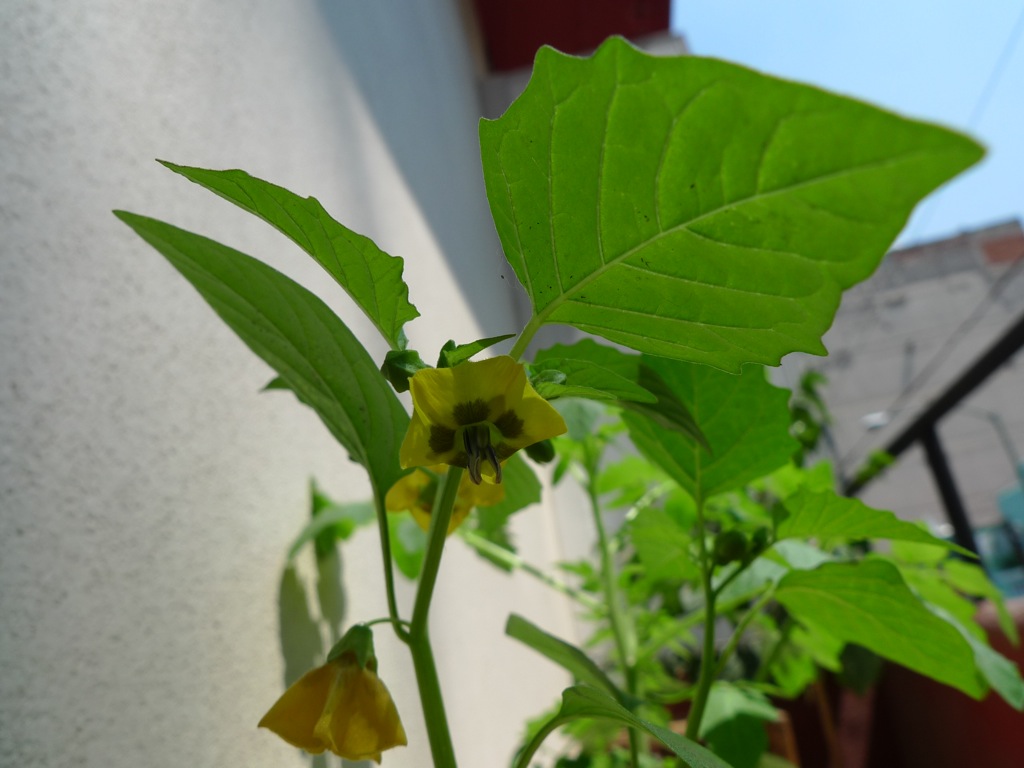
927,59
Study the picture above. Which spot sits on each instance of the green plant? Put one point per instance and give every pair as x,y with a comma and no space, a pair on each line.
707,217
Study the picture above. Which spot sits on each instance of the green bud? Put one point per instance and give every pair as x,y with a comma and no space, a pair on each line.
358,641
729,546
759,542
541,452
400,365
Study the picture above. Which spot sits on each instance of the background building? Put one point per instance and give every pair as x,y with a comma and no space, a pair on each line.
899,340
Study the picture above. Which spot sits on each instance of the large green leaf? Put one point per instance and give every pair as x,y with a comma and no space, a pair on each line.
997,670
581,701
298,336
744,419
564,654
828,516
371,277
868,603
695,209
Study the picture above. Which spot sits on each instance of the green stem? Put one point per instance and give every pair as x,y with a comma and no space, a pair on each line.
419,637
432,702
389,571
741,627
521,343
764,668
523,758
622,631
512,561
707,661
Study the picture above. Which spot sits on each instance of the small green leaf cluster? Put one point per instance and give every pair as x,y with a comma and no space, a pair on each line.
766,551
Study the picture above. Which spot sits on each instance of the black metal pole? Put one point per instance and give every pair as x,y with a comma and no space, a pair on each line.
947,489
989,362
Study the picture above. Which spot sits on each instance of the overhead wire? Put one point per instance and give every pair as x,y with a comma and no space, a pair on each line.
980,105
922,376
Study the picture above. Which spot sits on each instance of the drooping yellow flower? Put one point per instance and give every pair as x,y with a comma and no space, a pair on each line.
415,492
342,707
475,416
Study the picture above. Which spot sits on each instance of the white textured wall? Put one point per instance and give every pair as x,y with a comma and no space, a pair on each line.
147,490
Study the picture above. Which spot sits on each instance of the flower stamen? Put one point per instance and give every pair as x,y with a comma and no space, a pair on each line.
476,439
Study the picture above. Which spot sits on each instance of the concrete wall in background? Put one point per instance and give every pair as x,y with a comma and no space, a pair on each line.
148,490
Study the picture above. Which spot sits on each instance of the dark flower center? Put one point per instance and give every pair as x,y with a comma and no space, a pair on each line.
477,441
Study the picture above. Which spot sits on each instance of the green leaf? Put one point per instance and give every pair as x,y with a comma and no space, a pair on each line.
599,372
294,332
789,478
918,554
371,277
997,670
726,701
869,604
399,366
453,354
827,516
581,701
408,545
565,655
799,555
631,479
744,419
582,378
664,548
582,418
971,579
931,586
792,669
694,209
668,412
733,724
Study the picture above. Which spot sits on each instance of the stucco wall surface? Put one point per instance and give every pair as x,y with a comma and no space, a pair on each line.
148,490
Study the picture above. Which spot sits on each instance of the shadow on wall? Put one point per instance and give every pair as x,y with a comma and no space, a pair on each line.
417,80
303,630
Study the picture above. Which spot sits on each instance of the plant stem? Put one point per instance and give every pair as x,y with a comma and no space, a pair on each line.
429,685
622,630
707,661
764,668
389,571
741,627
419,638
525,337
522,760
514,562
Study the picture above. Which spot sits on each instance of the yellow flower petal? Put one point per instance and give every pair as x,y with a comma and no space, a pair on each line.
294,715
341,707
359,720
408,494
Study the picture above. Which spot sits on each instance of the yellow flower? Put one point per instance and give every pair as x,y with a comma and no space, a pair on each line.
342,707
475,416
415,492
